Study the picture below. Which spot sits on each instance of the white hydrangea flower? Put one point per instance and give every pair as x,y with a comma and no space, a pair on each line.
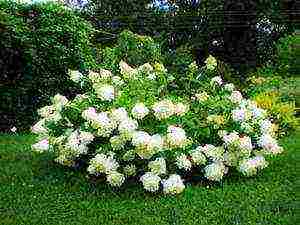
258,113
127,128
176,137
180,109
129,155
75,76
241,115
229,87
267,127
222,133
99,121
66,159
117,142
245,143
59,101
105,74
146,68
269,144
105,92
13,129
139,111
236,97
163,109
117,81
39,127
158,166
249,167
202,97
94,77
231,158
130,170
77,142
183,162
102,163
216,81
215,171
198,158
118,115
103,119
115,178
141,139
151,76
46,111
89,114
55,117
41,146
173,185
59,140
156,143
146,145
231,138
151,181
127,71
247,103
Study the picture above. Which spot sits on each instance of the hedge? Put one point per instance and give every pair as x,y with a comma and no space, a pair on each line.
39,42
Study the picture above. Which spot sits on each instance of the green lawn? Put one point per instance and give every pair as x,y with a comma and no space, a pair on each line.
34,190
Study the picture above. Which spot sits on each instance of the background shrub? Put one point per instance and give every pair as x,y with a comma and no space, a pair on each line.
240,33
40,42
132,48
288,55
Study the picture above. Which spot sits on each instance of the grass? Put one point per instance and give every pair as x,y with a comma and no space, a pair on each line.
34,190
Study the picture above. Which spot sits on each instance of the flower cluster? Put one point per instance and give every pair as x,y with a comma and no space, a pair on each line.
166,108
176,137
99,121
211,63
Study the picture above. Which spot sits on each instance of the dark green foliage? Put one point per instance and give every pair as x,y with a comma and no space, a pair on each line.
288,55
133,49
199,23
39,43
34,190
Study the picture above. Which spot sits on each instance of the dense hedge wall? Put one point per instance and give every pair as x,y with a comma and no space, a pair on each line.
39,43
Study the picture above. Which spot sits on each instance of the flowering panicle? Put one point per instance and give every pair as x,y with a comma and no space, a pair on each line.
176,137
173,185
41,146
75,76
215,171
151,181
146,145
198,157
216,81
158,166
115,178
183,162
139,111
163,109
102,163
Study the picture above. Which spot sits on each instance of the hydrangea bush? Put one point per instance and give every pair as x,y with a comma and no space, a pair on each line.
133,124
